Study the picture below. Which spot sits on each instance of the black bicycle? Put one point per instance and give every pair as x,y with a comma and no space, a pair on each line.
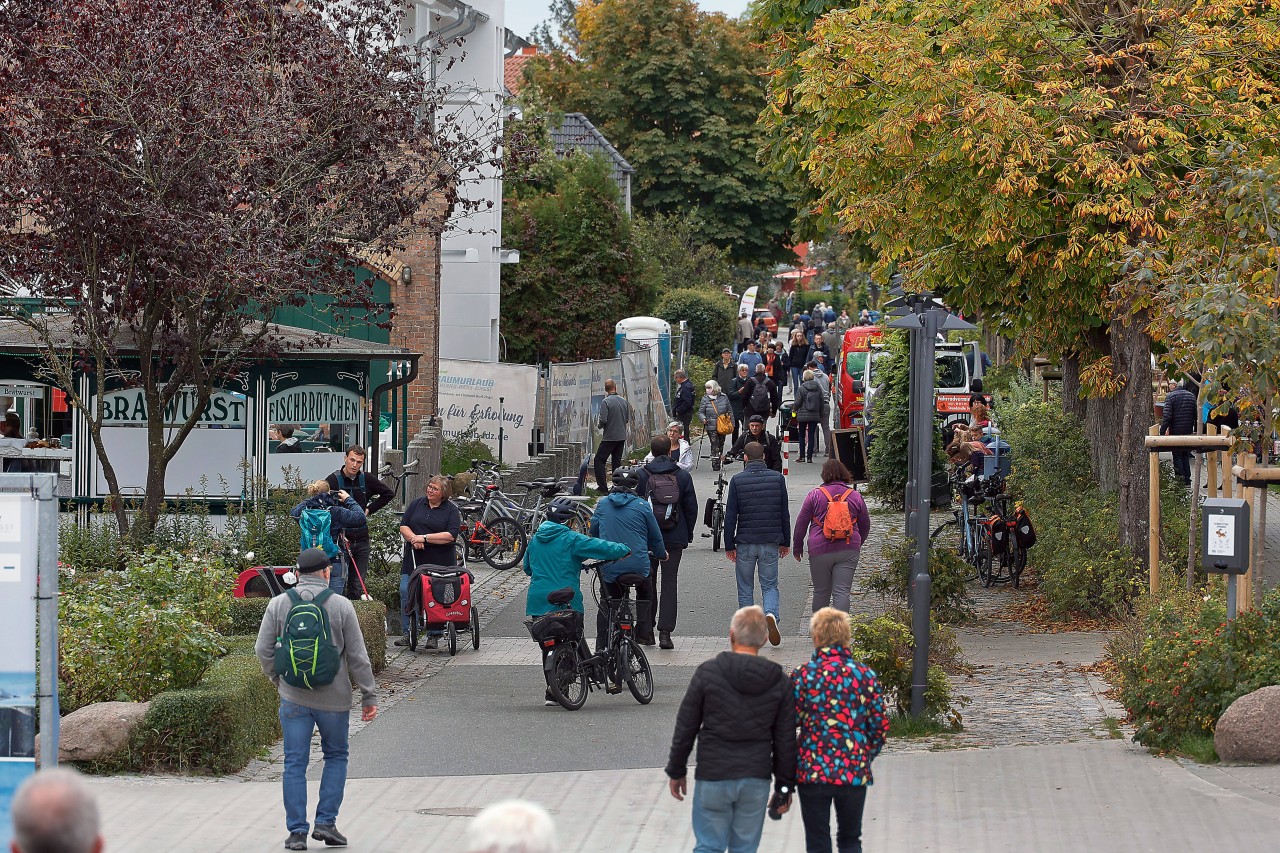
713,516
572,670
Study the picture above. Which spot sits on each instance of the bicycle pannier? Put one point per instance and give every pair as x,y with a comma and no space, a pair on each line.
1023,530
559,625
997,533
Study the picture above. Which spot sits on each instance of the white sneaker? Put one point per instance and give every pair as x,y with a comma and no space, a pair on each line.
775,636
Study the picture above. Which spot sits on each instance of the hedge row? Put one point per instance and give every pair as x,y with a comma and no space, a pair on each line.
216,727
246,616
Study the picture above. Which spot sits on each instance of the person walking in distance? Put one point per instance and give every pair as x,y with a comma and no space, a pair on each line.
843,724
824,381
757,533
717,419
371,495
740,709
755,433
797,356
615,416
53,811
725,370
746,332
623,517
682,407
808,407
308,701
833,521
750,357
758,395
1179,418
669,490
740,380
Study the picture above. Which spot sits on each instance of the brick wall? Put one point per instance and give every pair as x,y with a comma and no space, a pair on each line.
416,325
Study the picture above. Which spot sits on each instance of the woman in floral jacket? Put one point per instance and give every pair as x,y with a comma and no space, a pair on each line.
842,728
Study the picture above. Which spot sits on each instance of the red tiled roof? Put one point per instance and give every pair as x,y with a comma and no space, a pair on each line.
513,69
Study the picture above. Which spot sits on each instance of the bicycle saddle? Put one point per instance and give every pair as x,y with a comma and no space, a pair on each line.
630,579
560,596
470,506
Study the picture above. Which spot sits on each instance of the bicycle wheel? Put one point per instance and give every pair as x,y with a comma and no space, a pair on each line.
504,544
475,626
717,527
982,555
1019,561
637,672
568,681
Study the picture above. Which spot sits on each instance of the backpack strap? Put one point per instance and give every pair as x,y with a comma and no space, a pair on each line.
322,597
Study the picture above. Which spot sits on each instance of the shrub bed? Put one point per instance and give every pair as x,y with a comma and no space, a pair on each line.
949,589
1079,565
1180,663
247,617
885,644
128,635
215,727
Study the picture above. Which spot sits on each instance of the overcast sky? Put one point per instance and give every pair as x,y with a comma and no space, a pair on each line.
524,15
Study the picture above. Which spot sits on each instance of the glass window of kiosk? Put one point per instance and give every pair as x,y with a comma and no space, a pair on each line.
308,431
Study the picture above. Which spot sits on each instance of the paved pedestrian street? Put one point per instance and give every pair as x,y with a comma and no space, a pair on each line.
1037,766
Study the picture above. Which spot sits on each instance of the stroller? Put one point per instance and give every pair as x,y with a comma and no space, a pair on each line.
440,600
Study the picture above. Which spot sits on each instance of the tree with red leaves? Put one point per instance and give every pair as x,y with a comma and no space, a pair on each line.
174,172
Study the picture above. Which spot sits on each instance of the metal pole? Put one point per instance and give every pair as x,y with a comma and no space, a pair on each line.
922,462
44,487
1231,596
501,410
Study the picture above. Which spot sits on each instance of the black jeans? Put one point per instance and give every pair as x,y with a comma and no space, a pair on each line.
1182,465
607,450
685,421
360,556
643,611
815,810
663,575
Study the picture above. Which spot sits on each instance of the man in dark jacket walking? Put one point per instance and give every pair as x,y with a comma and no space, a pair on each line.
740,709
372,495
758,395
757,533
1179,418
615,417
677,535
682,406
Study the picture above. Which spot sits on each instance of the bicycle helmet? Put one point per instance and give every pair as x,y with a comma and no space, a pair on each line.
626,479
561,510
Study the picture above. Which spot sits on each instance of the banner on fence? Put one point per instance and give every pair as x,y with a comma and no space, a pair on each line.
638,376
569,416
480,396
18,536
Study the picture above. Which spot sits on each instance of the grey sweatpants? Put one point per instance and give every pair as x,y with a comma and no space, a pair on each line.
832,575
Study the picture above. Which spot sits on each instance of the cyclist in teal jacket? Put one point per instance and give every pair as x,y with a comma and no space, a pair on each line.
554,561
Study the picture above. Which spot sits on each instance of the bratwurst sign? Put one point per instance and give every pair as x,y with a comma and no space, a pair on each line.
129,408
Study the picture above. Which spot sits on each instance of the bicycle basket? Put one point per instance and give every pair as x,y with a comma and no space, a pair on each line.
559,625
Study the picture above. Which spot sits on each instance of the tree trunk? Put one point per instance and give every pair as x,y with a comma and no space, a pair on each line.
1131,355
1103,423
1072,403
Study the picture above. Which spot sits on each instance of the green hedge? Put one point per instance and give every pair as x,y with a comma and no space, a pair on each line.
711,317
246,616
215,727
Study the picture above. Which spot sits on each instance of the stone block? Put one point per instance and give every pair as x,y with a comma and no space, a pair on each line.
1249,731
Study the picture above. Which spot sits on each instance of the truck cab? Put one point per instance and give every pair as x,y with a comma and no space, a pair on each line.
853,371
951,383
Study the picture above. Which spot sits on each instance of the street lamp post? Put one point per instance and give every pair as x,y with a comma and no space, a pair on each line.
924,318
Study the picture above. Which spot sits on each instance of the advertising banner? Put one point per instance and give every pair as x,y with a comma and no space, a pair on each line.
569,418
748,304
638,382
18,535
469,401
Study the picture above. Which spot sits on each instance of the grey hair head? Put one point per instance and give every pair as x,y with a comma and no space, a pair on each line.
54,812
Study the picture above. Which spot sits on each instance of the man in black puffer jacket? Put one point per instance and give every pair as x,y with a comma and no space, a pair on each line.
757,533
1179,418
741,710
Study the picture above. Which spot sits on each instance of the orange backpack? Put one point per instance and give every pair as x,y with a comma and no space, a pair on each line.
837,526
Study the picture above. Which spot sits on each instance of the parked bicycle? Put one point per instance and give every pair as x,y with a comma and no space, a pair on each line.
1005,556
963,532
572,670
500,542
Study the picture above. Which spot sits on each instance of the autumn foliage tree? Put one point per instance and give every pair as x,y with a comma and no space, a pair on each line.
173,172
677,91
1010,155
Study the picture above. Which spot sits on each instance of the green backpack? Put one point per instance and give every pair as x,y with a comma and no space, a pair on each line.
305,654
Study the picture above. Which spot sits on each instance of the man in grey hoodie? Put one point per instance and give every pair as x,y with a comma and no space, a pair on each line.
327,708
615,415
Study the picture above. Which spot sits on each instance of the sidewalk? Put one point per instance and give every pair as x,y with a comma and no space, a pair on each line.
1096,796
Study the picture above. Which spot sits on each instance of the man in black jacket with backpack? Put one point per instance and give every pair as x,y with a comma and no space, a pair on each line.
741,709
669,490
372,495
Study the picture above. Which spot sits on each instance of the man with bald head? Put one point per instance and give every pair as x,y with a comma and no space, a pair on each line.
53,812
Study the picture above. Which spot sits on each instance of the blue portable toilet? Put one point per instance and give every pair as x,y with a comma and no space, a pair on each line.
654,334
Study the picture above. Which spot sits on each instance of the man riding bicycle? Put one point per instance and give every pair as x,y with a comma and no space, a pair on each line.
756,433
623,517
554,561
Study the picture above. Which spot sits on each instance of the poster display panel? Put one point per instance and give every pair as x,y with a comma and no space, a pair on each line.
18,536
469,401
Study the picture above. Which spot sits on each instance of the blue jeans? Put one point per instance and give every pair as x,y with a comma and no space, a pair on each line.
763,558
797,376
337,576
298,721
729,815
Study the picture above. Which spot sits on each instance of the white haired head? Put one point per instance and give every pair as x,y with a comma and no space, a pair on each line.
512,826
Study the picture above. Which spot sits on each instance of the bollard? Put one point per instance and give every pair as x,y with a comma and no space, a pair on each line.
786,460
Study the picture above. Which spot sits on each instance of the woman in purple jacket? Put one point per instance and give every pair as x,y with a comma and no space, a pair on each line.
831,562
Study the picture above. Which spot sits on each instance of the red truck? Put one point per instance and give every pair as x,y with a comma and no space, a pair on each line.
851,373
